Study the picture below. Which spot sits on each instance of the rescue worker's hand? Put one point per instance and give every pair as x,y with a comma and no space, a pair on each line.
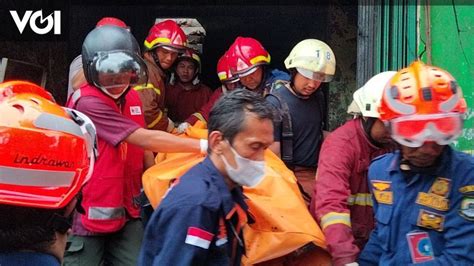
170,126
183,126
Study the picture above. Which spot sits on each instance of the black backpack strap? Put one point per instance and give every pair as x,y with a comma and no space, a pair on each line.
286,141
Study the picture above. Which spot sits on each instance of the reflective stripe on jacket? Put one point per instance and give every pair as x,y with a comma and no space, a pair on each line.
341,201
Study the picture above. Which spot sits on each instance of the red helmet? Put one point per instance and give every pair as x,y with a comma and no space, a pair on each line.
423,103
224,69
47,152
192,55
246,54
111,21
167,34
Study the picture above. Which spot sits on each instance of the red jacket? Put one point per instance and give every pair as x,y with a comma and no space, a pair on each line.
109,194
341,203
182,103
203,113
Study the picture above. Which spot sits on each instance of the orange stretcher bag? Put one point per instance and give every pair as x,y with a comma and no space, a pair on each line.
283,223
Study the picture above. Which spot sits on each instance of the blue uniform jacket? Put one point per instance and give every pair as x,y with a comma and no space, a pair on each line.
423,218
196,223
25,258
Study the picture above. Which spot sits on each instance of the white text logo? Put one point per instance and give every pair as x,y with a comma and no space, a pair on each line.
53,21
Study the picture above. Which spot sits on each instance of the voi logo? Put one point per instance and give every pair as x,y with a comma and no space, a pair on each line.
53,21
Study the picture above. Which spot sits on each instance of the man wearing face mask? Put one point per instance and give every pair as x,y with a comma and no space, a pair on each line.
200,220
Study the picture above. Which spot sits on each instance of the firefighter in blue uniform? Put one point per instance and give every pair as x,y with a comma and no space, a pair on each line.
200,220
423,193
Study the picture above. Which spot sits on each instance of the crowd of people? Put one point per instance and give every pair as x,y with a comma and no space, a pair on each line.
386,187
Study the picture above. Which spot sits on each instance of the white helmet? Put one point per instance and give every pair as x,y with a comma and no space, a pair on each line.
366,100
313,59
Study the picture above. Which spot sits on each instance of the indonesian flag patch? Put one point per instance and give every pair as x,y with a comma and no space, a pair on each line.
198,237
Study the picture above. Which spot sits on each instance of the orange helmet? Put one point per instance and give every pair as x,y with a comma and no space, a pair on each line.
47,152
245,54
167,34
423,103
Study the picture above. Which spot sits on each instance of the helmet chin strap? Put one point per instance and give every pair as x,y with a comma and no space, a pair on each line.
409,169
157,60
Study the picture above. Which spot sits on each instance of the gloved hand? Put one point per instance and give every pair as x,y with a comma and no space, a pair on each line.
203,145
183,126
352,264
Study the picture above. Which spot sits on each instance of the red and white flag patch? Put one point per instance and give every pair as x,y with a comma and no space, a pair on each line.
198,237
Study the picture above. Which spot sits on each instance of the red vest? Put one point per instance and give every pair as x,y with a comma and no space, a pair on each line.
134,163
116,180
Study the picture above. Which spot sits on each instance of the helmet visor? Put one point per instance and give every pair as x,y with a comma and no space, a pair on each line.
413,131
233,84
117,70
319,76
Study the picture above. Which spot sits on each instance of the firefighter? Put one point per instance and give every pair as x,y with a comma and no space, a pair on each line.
301,106
424,192
47,154
112,68
249,61
165,41
186,94
341,202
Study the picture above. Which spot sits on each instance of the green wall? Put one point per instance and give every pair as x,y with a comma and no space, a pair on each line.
451,33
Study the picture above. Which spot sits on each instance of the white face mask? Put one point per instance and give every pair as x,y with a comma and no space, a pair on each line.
114,96
248,173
